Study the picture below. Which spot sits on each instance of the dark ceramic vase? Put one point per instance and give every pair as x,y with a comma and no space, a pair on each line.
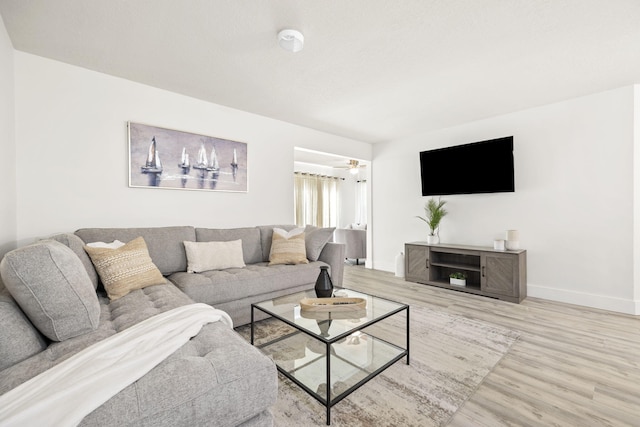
324,286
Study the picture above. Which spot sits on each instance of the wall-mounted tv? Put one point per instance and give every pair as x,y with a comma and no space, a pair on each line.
479,167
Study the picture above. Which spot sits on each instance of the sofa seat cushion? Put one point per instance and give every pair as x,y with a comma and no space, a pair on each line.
216,376
115,316
219,286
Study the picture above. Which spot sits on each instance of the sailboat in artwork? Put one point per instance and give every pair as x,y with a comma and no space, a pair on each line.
214,165
234,162
234,165
201,162
153,163
184,163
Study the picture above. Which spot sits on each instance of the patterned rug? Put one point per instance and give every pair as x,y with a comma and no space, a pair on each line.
450,356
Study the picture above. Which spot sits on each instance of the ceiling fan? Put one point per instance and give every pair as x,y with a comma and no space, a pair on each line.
353,166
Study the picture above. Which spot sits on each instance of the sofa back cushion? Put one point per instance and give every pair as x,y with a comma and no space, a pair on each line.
19,339
250,236
52,287
164,243
77,246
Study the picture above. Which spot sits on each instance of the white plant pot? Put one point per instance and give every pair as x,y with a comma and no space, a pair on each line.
512,245
433,240
458,282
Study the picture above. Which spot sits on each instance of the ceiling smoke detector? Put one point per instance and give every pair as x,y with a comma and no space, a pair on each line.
291,40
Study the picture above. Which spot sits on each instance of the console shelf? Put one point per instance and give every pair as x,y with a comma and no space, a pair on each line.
492,273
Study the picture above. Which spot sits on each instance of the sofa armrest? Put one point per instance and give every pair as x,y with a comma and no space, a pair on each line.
333,254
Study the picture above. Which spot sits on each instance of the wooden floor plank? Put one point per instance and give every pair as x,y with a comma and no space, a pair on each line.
572,366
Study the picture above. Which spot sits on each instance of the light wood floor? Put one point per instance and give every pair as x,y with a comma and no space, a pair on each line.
572,366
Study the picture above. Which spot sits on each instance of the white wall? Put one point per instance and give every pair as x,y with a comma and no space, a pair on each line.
72,154
636,195
573,204
574,199
8,227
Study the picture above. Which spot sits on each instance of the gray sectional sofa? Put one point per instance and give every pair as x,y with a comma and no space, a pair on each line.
216,378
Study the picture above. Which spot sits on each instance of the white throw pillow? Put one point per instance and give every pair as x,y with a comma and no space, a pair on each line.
288,234
204,256
113,245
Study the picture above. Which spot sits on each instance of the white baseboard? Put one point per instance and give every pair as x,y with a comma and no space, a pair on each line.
603,302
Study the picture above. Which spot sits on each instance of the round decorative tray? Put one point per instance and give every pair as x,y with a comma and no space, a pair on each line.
354,313
332,304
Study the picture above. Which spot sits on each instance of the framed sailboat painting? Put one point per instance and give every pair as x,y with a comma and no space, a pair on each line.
167,158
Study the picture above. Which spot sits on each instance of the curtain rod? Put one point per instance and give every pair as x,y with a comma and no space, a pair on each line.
318,175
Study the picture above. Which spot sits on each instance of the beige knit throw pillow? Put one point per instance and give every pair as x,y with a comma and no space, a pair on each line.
126,268
288,247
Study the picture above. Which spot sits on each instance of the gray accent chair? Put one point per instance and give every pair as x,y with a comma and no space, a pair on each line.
355,242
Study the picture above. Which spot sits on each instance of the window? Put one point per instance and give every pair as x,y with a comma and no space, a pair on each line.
316,199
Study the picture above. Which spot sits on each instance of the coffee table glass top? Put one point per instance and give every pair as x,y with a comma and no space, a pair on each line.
287,309
332,354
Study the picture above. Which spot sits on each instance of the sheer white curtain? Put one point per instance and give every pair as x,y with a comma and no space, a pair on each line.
316,199
361,201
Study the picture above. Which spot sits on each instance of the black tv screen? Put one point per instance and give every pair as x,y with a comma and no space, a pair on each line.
480,167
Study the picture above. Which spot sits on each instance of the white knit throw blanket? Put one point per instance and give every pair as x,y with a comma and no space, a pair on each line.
66,393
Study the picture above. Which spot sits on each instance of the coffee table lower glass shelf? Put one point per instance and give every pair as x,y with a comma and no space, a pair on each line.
343,349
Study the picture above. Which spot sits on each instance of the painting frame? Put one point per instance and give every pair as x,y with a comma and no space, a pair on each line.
164,158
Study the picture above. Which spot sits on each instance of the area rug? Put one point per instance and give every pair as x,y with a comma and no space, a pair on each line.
450,356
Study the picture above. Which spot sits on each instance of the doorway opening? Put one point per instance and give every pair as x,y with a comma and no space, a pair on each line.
333,190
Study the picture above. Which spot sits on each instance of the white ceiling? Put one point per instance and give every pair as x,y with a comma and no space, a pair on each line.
303,155
373,70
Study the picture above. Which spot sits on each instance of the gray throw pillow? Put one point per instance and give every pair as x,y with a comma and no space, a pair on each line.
315,239
19,339
50,284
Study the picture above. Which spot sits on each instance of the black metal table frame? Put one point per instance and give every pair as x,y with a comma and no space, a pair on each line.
328,403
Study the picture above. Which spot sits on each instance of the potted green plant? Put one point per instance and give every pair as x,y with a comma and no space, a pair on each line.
458,279
434,212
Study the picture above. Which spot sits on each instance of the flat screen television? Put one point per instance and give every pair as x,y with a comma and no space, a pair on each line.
479,167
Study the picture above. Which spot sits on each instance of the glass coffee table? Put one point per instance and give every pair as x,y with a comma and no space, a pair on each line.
330,354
